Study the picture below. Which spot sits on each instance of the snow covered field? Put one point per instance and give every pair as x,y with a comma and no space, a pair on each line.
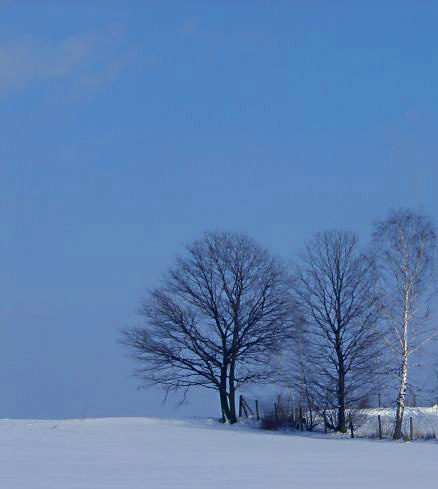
146,453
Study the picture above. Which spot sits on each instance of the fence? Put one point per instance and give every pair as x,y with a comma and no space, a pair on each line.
246,410
285,413
275,412
418,423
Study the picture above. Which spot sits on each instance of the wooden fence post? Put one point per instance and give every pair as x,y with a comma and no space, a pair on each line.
379,420
257,409
411,428
247,408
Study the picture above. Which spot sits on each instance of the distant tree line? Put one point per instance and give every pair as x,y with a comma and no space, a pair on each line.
342,322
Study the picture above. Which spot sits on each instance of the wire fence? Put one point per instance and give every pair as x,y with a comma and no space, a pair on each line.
286,413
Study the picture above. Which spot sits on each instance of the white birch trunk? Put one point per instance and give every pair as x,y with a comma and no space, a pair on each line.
404,371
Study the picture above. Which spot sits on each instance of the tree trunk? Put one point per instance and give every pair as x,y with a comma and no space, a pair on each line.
232,395
228,397
224,405
401,401
404,371
232,409
224,396
342,424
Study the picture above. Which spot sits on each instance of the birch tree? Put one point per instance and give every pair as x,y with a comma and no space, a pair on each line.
404,250
222,311
336,290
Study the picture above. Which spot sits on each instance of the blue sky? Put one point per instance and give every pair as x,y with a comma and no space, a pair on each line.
128,128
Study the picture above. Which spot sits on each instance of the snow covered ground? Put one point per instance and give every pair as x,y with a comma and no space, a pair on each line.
146,453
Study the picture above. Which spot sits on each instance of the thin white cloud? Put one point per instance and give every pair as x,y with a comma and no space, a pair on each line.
87,60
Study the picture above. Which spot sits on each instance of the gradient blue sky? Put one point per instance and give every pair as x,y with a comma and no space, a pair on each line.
128,128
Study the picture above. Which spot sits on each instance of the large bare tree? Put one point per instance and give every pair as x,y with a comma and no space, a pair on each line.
404,248
336,290
222,312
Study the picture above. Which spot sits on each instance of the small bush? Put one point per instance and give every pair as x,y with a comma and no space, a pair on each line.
272,422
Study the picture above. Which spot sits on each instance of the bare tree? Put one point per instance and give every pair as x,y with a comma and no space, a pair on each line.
404,248
296,371
223,310
336,289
